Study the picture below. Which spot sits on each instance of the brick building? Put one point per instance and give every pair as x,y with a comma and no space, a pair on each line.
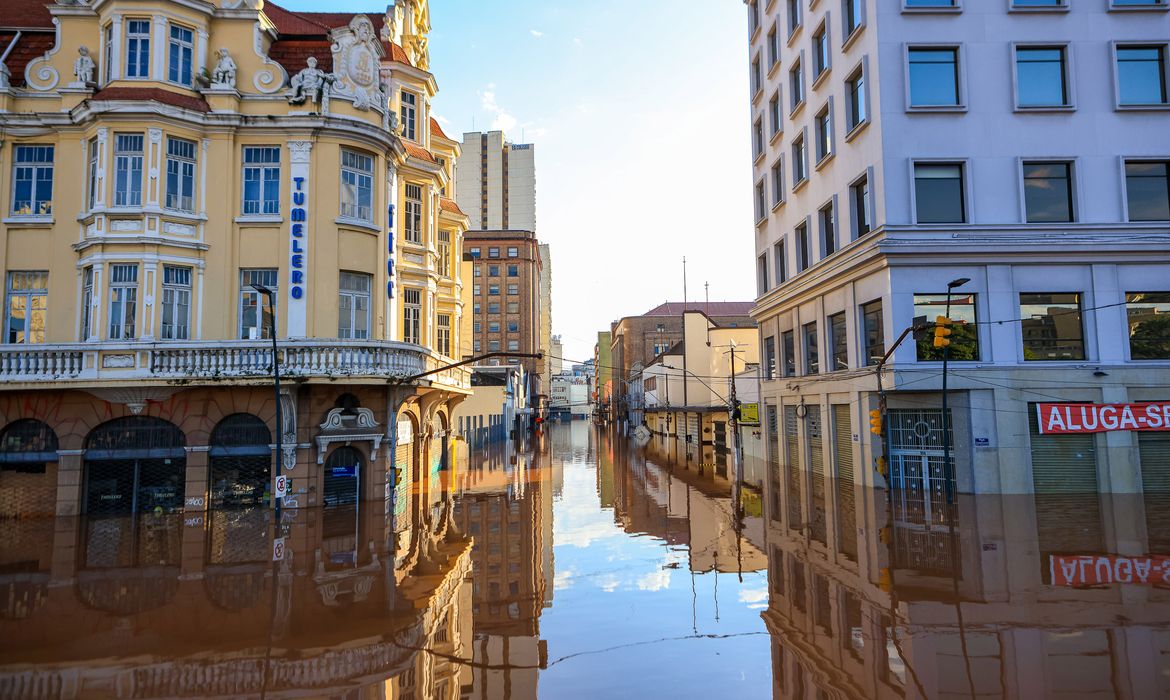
505,294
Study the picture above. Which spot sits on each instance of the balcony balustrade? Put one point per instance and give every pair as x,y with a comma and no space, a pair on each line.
195,362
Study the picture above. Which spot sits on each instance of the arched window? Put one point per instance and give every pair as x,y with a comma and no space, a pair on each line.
26,445
240,462
135,464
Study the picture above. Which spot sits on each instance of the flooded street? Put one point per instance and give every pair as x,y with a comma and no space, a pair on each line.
582,565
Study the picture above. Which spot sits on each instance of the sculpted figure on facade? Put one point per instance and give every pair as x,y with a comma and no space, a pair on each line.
311,84
84,67
357,60
224,74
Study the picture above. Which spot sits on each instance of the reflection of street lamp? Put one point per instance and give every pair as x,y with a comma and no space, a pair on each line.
949,470
276,384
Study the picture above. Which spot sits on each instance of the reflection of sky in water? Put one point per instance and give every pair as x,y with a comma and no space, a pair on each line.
615,589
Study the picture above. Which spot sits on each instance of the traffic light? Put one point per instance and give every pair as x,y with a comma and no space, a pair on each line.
942,329
875,421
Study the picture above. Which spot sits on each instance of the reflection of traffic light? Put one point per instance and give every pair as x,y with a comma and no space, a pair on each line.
875,422
942,329
882,467
885,581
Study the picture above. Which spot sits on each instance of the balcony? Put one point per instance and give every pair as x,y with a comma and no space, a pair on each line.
207,362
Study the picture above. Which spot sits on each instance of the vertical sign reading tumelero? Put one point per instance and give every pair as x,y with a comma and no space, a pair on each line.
298,236
391,255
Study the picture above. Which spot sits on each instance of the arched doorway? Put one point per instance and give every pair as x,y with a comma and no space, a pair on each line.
135,464
28,457
240,462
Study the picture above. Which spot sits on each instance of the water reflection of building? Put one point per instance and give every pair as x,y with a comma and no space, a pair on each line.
1036,619
504,503
167,605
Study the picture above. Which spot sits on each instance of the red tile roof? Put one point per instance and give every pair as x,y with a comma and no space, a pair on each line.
416,151
196,104
449,205
30,46
437,130
22,14
291,24
714,308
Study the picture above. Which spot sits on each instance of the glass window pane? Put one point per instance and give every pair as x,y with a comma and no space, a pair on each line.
965,335
1048,192
1141,74
938,193
1040,77
1051,326
1147,187
933,77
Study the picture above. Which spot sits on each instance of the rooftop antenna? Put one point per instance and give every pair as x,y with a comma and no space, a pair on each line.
684,283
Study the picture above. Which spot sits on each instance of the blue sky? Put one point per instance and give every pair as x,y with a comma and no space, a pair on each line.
639,113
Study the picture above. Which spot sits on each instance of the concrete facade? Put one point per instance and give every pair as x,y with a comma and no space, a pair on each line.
497,182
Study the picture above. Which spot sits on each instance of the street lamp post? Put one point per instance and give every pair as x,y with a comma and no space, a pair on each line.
271,295
949,470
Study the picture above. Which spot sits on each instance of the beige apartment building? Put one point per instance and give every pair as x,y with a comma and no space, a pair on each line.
158,162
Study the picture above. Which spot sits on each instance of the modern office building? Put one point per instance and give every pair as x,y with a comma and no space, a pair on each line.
496,182
155,187
1014,152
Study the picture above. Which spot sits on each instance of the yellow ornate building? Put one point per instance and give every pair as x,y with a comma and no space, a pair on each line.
159,159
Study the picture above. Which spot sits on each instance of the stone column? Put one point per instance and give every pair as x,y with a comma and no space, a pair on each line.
195,491
69,481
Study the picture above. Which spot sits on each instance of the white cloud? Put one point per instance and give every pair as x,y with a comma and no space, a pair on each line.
487,101
608,583
755,598
563,580
441,119
577,41
655,580
536,33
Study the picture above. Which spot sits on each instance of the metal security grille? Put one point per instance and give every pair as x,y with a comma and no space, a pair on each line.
27,447
918,482
240,462
792,442
135,464
818,529
773,425
342,475
846,503
1064,477
1154,449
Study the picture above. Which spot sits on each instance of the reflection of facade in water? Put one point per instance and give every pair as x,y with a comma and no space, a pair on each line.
504,502
172,606
882,622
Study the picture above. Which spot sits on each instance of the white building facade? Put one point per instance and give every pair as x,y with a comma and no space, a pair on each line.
901,146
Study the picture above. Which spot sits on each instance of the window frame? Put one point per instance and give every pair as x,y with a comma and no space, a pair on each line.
1061,6
927,338
810,352
1117,6
1163,47
36,182
28,293
865,178
853,125
412,213
363,181
185,174
443,334
788,361
266,317
128,303
88,278
822,63
849,33
177,290
796,79
93,167
864,313
793,18
775,116
955,7
134,178
825,132
1073,187
1067,75
965,189
800,160
189,46
832,233
1082,300
412,315
1130,329
266,183
409,126
127,37
780,262
777,178
354,295
804,253
1125,161
834,341
959,70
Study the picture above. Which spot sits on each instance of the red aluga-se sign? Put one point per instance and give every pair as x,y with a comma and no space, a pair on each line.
1065,418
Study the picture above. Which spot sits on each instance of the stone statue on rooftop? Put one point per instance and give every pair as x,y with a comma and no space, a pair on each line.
84,67
225,70
311,84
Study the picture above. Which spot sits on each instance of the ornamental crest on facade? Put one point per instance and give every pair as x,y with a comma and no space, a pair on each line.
356,59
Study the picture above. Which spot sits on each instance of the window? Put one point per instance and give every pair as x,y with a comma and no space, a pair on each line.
494,307
477,346
824,132
1141,75
513,252
757,138
828,231
793,16
964,335
256,320
1048,192
108,69
261,180
799,161
773,47
1041,77
788,347
838,343
477,271
444,253
408,115
513,270
513,345
859,197
94,166
1147,190
934,77
412,316
412,219
756,77
137,48
353,307
812,360
931,3
476,307
513,307
176,303
357,186
123,300
780,262
128,170
493,270
27,307
762,274
494,290
873,332
443,334
493,346
1038,3
938,193
478,326
761,200
852,10
1149,325
87,303
32,181
476,290
803,256
1139,3
493,327
770,357
856,114
777,182
822,56
795,86
475,254
775,122
493,252
513,289
513,327
1051,327
179,52
753,16
180,183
